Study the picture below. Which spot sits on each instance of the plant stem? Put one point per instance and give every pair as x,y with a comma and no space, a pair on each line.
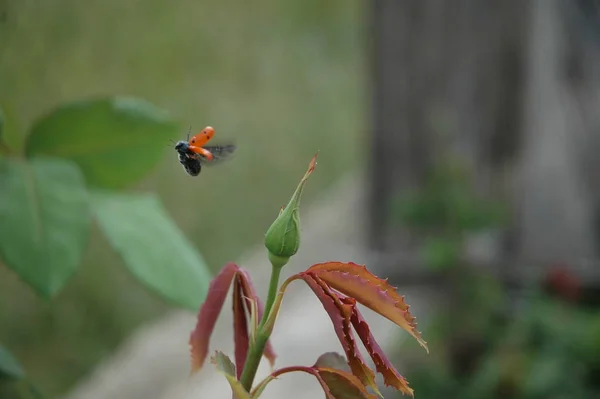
257,347
253,360
273,286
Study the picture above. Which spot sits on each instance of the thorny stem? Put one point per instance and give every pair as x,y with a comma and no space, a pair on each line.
257,347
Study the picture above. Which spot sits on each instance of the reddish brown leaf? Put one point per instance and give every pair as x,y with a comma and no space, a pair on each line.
357,282
332,360
210,309
209,312
391,377
340,315
240,328
343,385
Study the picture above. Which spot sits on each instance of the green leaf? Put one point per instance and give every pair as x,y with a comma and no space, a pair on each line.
223,363
115,141
9,366
226,367
44,221
153,247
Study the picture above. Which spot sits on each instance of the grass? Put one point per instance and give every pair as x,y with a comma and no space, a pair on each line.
282,79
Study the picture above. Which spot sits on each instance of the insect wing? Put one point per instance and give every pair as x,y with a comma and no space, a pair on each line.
200,139
220,153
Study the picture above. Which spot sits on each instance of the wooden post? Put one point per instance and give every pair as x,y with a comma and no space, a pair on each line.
516,86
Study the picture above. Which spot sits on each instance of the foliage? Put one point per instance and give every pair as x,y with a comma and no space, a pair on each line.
444,210
338,285
541,345
547,347
67,175
115,141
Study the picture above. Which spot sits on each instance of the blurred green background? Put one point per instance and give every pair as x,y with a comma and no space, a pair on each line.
281,79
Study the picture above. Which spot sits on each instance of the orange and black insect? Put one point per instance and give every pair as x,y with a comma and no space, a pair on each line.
193,153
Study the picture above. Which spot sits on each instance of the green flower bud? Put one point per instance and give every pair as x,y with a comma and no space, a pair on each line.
283,237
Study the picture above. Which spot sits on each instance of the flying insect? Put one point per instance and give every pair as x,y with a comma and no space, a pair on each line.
193,153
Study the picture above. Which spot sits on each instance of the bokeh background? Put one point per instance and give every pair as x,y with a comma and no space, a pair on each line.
474,121
280,80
